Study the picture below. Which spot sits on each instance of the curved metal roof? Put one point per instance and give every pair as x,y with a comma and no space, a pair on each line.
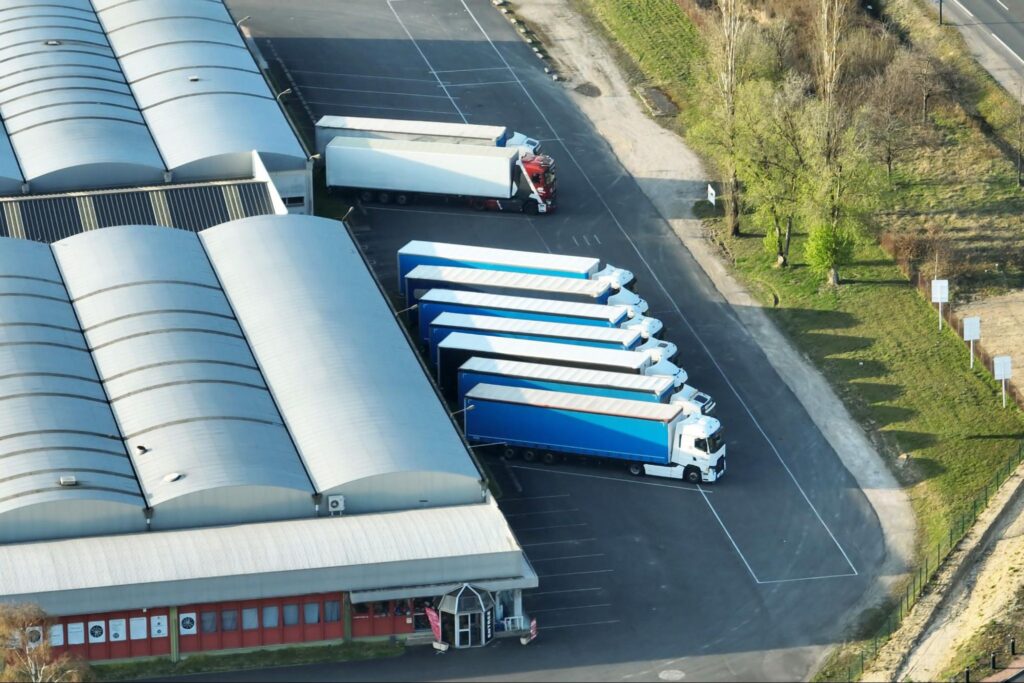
10,172
67,109
181,379
54,415
306,300
199,88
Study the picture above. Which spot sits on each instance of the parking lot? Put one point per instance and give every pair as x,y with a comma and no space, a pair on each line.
748,578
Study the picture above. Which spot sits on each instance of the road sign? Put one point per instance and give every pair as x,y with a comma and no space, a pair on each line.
940,295
1002,371
972,333
711,194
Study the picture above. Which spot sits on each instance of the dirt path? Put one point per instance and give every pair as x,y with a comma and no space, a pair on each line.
653,155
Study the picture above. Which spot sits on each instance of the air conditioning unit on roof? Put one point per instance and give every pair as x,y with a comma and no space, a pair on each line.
335,505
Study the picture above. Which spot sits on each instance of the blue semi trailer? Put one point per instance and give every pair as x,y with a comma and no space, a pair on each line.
650,388
437,301
650,438
420,253
421,279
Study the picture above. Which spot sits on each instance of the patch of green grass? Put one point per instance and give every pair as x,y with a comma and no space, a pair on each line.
257,659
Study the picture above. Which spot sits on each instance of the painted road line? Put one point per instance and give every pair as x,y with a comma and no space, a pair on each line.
728,535
809,578
368,76
568,540
427,61
622,479
565,558
957,2
593,571
372,92
471,85
1003,6
461,71
557,495
567,590
566,609
1007,47
548,528
664,289
539,512
367,106
588,623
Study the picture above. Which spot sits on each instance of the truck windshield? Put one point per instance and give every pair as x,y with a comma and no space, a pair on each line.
714,442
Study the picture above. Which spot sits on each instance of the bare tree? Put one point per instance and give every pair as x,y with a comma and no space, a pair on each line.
830,29
889,106
29,657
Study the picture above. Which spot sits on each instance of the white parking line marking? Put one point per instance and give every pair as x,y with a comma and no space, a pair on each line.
372,92
565,609
366,106
622,479
1003,6
470,85
587,241
664,290
574,241
540,512
809,578
567,557
595,571
556,495
588,623
964,9
728,535
597,239
568,540
429,65
546,528
567,590
386,78
461,71
1007,47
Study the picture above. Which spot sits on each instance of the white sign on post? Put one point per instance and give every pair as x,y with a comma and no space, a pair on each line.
972,333
711,194
940,295
1001,369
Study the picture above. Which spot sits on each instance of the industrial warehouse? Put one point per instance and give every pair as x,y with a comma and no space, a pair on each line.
200,450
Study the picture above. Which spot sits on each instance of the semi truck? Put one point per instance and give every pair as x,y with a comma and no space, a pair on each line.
562,333
650,438
329,127
420,253
651,388
437,301
421,279
405,172
458,347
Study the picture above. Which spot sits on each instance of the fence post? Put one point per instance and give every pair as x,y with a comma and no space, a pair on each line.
992,661
1013,646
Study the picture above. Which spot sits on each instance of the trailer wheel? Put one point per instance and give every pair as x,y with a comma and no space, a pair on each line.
549,458
530,208
508,453
692,475
384,197
366,196
478,204
529,455
402,199
636,469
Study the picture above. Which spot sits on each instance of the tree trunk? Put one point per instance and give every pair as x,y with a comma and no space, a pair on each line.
833,276
888,166
783,259
924,108
734,205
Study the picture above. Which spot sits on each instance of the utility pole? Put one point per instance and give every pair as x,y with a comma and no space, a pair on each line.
940,12
1020,130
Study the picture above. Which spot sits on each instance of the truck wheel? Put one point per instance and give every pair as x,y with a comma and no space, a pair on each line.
478,204
384,197
402,199
636,469
549,458
366,196
692,475
530,208
529,455
508,453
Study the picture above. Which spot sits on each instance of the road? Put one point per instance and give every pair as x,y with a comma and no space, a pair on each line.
748,579
999,25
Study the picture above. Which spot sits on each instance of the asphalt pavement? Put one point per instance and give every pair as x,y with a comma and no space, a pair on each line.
640,578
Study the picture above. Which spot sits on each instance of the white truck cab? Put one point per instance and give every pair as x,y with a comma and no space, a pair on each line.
694,402
624,297
698,451
648,326
658,349
664,367
619,277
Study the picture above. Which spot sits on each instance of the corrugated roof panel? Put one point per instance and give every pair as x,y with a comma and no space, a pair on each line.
10,173
594,333
70,131
54,416
355,411
560,400
197,208
123,208
218,433
50,220
202,127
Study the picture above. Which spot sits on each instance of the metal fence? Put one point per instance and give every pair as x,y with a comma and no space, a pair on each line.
921,577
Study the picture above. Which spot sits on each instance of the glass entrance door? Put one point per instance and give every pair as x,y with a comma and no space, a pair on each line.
464,632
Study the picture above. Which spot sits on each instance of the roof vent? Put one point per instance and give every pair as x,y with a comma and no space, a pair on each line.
193,79
52,42
68,480
172,476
